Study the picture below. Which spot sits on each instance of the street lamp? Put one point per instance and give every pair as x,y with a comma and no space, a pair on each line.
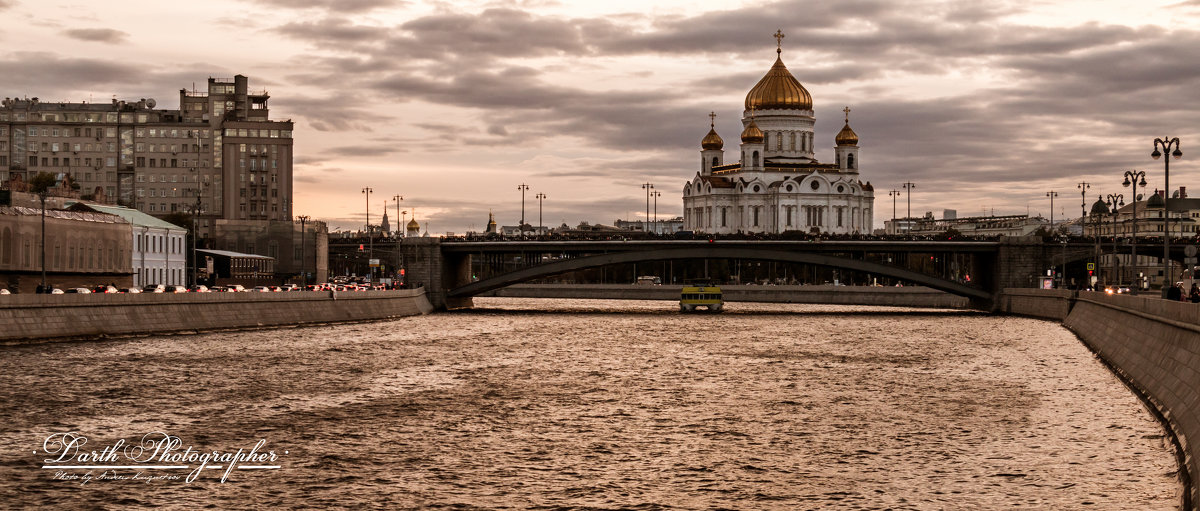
647,187
908,186
1115,202
42,197
370,238
540,197
1083,188
1166,146
521,226
303,267
656,195
1052,194
893,194
399,228
1131,178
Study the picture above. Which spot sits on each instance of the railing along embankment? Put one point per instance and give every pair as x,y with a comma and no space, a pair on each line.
97,315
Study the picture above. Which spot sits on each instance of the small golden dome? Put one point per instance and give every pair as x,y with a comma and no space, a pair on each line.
779,90
712,140
752,135
847,136
413,225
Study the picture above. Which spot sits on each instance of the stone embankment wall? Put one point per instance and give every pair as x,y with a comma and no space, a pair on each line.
913,296
1152,344
92,315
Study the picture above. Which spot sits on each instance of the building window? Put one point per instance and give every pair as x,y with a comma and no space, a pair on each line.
849,161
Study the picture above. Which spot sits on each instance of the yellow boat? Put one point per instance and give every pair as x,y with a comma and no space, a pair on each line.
694,296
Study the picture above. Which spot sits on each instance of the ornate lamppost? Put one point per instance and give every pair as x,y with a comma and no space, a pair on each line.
1115,202
646,221
656,195
1131,178
1083,188
893,194
1052,194
370,236
540,197
1166,144
303,266
908,186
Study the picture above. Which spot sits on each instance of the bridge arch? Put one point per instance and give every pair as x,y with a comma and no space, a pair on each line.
713,252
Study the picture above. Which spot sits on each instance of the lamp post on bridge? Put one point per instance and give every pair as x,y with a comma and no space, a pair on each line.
646,221
656,195
1166,144
1131,178
540,197
370,238
893,194
1052,194
521,227
1115,202
1083,188
303,252
908,186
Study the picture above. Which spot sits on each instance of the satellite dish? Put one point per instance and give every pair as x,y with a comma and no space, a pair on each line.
150,103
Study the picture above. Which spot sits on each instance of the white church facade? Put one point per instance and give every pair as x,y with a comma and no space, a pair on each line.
777,184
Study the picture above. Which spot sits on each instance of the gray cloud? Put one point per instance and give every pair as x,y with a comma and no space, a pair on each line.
352,6
104,35
365,150
1075,102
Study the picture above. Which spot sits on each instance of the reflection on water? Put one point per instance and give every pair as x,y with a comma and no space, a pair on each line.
599,404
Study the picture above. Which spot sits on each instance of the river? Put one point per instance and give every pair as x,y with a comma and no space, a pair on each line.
561,404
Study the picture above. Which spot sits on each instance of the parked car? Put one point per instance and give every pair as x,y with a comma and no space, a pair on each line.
289,287
130,290
5,291
175,289
235,288
105,289
154,288
57,291
80,290
261,289
199,288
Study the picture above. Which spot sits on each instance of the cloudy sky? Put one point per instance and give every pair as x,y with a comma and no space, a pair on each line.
986,106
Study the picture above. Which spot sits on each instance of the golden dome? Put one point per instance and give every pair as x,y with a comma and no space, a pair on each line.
413,225
712,140
847,136
779,90
752,135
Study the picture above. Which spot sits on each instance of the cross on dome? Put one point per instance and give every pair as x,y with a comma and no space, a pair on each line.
779,41
712,119
847,110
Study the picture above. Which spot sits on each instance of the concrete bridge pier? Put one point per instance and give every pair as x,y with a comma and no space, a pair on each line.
425,265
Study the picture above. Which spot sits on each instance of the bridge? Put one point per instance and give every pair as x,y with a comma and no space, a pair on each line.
454,271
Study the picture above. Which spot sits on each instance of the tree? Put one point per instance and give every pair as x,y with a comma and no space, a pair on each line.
42,182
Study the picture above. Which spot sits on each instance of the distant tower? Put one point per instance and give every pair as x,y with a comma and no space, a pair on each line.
491,225
847,147
414,228
384,226
711,148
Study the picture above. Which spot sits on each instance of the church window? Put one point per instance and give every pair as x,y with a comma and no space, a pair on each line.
756,210
755,158
792,145
756,188
849,161
724,215
841,188
815,185
779,141
788,212
714,163
837,160
839,212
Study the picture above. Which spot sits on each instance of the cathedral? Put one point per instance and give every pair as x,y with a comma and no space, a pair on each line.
776,184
